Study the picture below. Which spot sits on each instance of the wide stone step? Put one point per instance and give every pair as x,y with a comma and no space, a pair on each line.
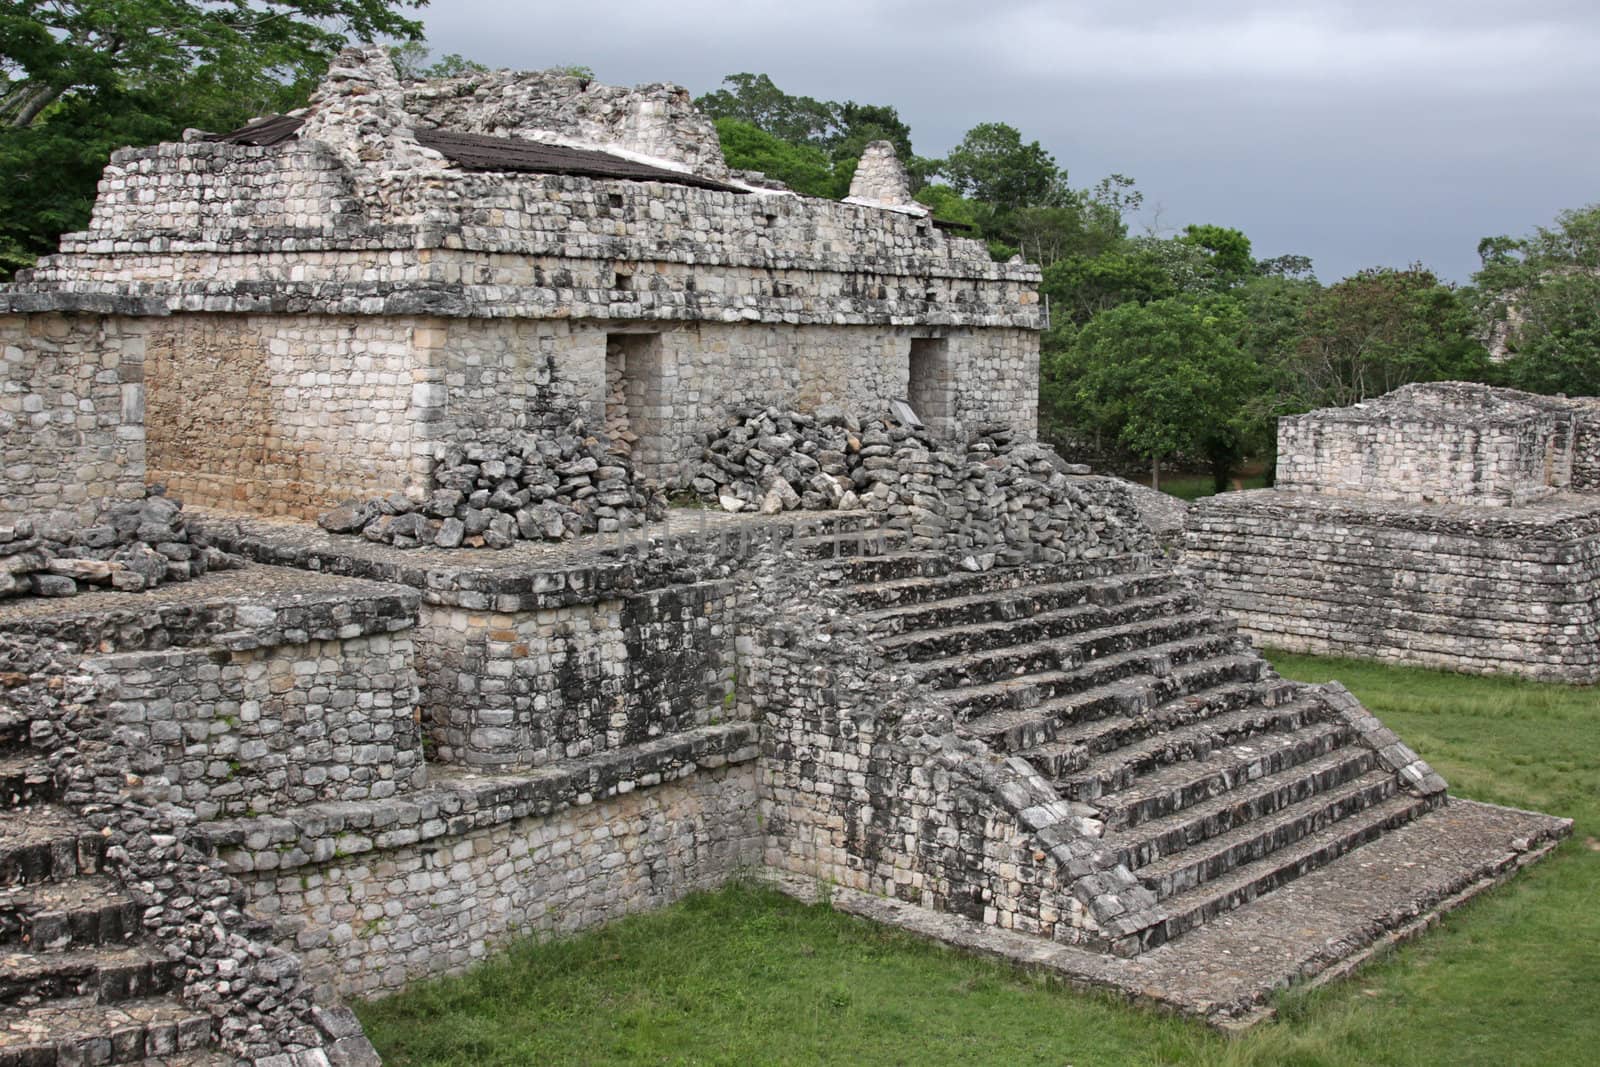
1257,839
919,588
46,844
26,778
922,646
82,1032
1145,625
1006,605
1154,839
1194,763
54,915
1120,715
106,975
1191,908
1024,695
891,567
850,545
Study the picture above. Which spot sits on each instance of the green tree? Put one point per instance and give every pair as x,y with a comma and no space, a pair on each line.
949,205
1164,378
1555,345
82,77
1275,307
840,131
804,168
1228,253
1376,331
754,100
1137,270
1540,295
993,165
1287,266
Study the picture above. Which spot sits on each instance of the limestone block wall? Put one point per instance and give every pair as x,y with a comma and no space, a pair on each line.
530,688
1586,450
845,804
198,187
657,120
174,199
1504,590
1444,442
257,730
72,402
389,910
864,783
1412,457
248,691
283,415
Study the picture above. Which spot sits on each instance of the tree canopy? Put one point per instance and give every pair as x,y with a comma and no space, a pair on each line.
832,131
1541,294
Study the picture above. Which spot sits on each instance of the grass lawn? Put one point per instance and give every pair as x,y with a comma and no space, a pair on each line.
1195,486
746,976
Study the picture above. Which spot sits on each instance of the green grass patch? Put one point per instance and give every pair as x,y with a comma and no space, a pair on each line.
745,976
1195,486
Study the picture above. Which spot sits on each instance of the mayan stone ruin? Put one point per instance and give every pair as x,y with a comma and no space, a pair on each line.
1447,524
467,510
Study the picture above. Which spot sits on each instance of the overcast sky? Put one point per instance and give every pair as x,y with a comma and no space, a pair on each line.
1363,133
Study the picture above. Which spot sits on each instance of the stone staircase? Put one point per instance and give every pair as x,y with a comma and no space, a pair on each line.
77,984
1214,781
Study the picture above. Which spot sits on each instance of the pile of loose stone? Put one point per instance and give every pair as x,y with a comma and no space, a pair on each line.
545,487
131,546
998,498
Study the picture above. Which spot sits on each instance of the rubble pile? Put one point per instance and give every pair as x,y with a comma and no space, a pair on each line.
545,487
997,499
131,546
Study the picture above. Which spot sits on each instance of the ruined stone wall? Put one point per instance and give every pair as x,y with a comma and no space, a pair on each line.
288,415
173,200
865,784
1412,457
656,120
256,730
1586,449
844,804
72,402
1443,442
198,188
1505,590
377,911
283,415
535,687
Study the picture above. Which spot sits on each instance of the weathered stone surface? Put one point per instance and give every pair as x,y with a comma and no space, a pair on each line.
916,655
1448,525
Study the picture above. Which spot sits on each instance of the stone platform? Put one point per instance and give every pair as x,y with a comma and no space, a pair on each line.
1316,929
1486,590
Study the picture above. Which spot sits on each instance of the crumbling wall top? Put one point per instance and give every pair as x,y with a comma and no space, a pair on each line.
658,120
1444,442
881,181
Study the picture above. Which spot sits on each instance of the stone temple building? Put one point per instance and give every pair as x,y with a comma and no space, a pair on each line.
1445,524
255,766
315,305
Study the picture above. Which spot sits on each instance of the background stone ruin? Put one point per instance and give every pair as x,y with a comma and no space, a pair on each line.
1449,525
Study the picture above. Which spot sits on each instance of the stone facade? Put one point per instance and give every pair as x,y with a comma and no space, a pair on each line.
1449,525
368,923
72,403
1444,443
326,313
